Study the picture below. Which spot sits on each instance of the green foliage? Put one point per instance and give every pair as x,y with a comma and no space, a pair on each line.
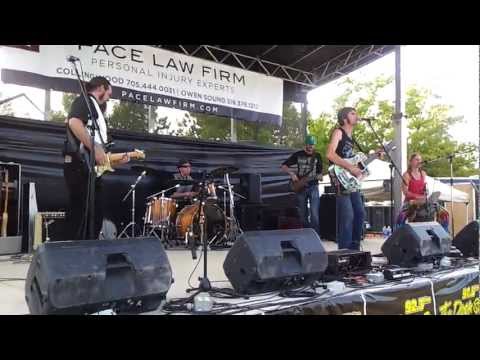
217,128
60,116
128,115
6,109
428,125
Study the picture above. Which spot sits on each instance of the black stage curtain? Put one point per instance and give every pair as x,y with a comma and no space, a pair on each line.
37,146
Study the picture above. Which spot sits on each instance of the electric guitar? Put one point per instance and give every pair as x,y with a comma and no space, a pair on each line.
301,183
342,176
5,209
112,160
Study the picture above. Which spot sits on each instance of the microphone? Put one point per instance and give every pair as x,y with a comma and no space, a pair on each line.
141,176
72,58
366,119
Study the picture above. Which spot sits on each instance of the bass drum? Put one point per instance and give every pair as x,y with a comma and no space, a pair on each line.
187,221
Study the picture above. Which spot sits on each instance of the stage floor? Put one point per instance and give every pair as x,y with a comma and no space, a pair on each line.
12,298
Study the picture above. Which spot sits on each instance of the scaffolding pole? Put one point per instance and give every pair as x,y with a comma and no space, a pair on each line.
399,156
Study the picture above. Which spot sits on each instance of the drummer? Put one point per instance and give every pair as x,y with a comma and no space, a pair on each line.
184,193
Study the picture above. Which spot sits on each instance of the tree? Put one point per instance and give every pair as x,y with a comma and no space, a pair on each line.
428,125
6,109
217,128
128,115
60,116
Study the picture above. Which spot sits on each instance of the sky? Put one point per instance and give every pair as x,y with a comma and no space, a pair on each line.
450,71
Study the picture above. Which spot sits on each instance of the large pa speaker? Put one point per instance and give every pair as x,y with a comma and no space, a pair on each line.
416,242
262,261
467,240
84,277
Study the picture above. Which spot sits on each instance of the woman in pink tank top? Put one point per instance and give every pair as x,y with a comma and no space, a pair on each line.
415,192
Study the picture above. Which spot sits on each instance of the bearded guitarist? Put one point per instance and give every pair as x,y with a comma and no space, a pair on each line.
305,181
76,171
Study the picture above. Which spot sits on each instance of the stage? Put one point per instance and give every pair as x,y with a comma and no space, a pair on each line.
456,291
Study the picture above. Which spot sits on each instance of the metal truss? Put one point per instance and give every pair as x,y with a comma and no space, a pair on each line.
340,65
246,62
348,61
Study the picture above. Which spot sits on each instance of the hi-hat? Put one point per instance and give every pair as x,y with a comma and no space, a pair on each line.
224,170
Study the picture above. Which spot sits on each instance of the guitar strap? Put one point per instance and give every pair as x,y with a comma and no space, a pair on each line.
358,145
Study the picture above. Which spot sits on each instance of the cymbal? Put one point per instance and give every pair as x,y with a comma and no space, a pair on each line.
224,170
174,182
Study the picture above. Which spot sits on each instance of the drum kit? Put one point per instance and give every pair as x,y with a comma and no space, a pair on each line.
174,226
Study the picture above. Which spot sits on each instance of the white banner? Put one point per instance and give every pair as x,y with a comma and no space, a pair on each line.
149,75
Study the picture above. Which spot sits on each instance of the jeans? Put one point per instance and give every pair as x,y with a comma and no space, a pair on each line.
310,193
350,219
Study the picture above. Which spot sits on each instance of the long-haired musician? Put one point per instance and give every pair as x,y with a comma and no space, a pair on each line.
415,190
350,209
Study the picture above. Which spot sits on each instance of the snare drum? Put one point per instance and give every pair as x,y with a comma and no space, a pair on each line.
160,210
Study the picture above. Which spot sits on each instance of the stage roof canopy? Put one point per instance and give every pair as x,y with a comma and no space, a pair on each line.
302,67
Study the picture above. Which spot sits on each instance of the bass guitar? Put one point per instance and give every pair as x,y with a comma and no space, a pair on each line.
342,176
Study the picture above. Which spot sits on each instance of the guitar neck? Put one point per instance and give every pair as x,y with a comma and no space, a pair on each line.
372,157
118,156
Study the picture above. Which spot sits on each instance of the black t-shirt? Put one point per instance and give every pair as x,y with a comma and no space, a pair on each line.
79,110
306,164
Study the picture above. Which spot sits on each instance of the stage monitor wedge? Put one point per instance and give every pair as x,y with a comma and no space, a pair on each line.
414,243
262,261
84,277
467,240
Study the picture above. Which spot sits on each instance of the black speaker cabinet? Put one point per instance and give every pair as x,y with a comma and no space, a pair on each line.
251,185
262,261
328,217
84,277
416,242
467,240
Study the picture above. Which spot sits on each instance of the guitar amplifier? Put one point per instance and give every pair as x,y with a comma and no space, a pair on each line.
49,226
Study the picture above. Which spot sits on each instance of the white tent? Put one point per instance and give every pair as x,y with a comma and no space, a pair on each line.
376,186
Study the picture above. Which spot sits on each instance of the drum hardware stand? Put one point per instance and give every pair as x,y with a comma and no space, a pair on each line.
163,192
233,227
132,191
204,282
47,223
392,166
450,158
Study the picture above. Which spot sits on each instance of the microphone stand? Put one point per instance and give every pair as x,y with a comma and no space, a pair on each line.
90,203
392,166
450,157
131,191
204,283
163,191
